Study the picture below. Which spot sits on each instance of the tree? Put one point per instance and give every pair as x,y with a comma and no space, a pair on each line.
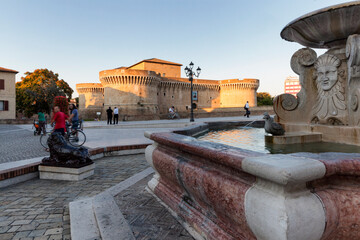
62,103
264,98
38,89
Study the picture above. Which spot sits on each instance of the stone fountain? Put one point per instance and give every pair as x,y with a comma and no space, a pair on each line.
222,192
330,83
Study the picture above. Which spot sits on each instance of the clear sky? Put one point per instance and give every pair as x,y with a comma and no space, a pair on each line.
79,38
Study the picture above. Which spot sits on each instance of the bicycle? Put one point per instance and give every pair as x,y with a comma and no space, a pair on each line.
70,136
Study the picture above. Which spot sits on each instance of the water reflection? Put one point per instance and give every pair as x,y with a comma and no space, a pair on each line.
247,138
253,139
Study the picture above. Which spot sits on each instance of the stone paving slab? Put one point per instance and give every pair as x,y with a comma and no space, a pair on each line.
38,209
148,219
19,144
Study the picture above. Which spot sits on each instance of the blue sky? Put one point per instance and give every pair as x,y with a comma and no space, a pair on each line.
79,38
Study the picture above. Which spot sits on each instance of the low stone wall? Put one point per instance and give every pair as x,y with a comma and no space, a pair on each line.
16,121
221,192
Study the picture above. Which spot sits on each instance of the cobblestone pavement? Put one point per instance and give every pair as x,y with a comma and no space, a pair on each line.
148,219
19,144
38,209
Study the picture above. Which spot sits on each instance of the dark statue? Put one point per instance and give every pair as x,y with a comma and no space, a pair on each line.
64,155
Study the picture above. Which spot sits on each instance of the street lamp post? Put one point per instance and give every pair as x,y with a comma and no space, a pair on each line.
190,73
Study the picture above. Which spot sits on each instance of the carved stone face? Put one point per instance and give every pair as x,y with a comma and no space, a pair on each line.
327,76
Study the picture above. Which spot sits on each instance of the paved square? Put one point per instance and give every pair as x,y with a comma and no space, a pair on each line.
38,209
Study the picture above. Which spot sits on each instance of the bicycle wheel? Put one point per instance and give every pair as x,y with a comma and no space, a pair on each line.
79,140
43,140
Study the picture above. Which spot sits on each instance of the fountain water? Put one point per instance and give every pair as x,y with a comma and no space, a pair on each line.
249,124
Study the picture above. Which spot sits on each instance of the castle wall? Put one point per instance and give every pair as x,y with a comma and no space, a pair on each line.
178,94
140,66
142,94
165,70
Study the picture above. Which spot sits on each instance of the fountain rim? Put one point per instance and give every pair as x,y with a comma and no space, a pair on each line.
312,14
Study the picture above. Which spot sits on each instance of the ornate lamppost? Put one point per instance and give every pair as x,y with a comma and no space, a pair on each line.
190,73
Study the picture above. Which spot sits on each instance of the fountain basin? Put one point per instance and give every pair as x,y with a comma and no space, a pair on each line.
325,28
222,192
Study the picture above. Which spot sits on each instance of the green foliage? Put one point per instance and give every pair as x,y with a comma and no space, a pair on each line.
264,98
37,91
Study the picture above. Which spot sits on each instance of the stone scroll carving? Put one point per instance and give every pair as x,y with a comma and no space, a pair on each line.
288,102
353,71
353,55
330,107
289,108
304,57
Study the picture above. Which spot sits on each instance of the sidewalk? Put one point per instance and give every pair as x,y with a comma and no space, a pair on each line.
176,123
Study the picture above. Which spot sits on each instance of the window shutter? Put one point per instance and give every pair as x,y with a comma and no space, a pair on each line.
2,84
6,105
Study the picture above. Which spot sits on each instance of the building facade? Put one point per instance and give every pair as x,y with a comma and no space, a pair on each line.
7,93
292,85
147,89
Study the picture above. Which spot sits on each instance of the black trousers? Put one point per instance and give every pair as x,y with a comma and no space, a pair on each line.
116,118
109,119
42,127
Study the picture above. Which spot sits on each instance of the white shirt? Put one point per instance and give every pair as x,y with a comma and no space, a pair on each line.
247,105
171,110
116,111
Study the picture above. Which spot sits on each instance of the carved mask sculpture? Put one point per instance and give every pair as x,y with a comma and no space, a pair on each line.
330,106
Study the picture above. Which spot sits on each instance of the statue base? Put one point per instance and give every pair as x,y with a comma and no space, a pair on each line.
294,137
66,173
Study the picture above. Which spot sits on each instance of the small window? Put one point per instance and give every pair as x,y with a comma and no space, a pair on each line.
2,84
4,105
163,74
164,94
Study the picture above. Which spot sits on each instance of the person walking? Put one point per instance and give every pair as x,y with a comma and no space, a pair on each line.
59,119
42,122
247,113
109,115
116,115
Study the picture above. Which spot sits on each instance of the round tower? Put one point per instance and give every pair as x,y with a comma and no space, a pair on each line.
235,93
134,92
91,99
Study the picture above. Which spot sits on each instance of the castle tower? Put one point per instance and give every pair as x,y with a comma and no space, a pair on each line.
134,92
235,93
91,99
